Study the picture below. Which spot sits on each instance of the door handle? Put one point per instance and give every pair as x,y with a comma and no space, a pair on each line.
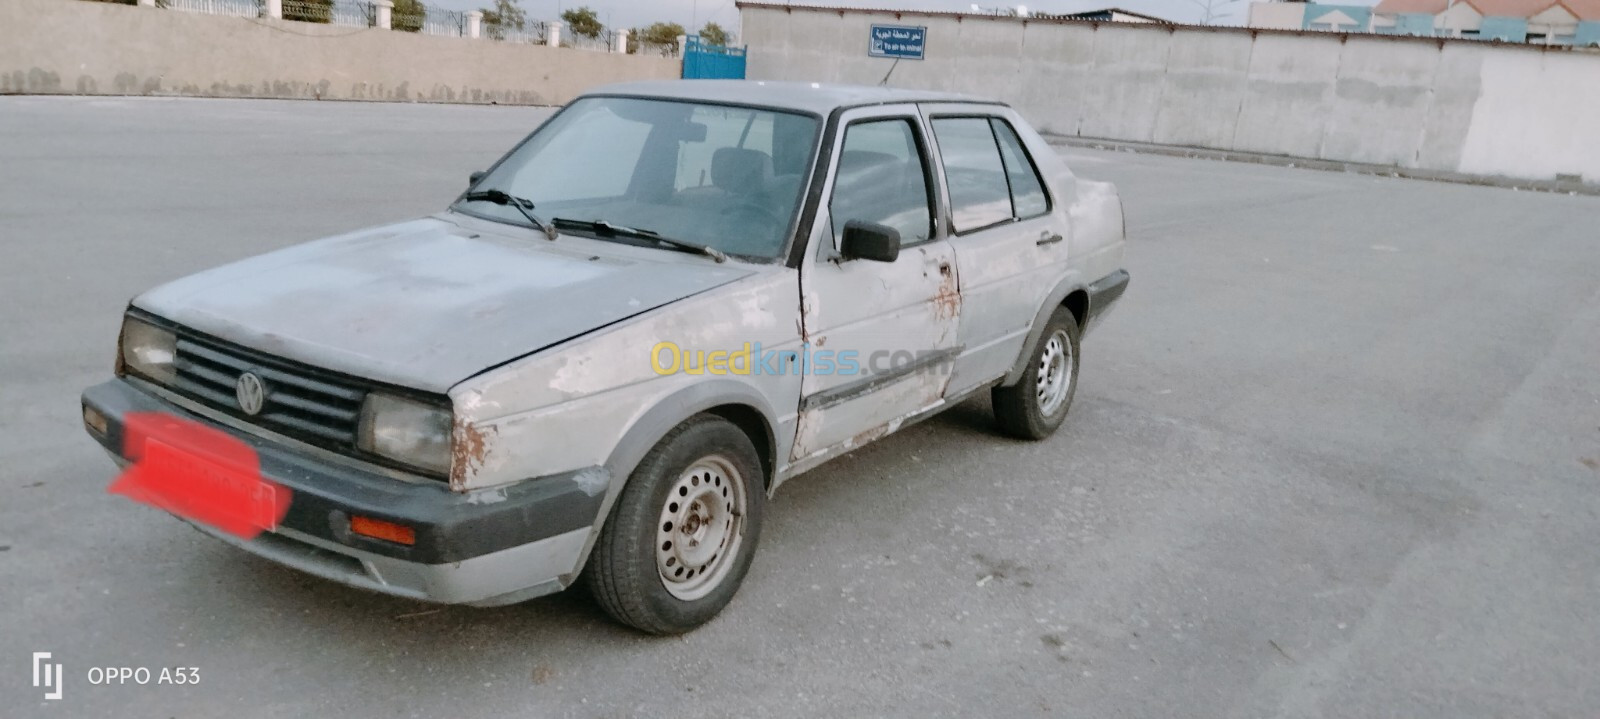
1047,237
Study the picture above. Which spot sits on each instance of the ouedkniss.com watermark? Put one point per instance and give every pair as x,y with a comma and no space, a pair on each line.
752,359
50,677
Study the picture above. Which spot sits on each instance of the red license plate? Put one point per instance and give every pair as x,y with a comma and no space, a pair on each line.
213,484
201,474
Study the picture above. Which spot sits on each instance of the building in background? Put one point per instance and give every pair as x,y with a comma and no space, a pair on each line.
1277,15
1110,14
1337,18
1538,22
1107,14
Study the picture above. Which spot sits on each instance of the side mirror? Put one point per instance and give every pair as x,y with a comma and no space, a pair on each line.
870,241
474,177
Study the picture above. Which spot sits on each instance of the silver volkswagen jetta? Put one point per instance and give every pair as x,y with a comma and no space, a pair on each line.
605,355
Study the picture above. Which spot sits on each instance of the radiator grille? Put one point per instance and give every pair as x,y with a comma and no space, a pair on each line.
299,402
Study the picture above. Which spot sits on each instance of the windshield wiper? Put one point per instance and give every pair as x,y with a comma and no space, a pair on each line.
501,198
602,228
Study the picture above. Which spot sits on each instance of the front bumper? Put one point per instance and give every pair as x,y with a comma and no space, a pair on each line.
488,547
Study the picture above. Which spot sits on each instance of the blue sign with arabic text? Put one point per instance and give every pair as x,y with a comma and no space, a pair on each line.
901,42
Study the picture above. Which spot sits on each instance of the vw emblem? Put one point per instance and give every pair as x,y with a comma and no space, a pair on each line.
250,392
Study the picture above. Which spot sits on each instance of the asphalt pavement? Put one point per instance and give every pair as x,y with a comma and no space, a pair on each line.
1336,454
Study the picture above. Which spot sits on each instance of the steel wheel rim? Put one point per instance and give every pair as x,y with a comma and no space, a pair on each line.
700,529
1055,373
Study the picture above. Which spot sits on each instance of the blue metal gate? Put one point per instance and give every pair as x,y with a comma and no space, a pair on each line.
711,62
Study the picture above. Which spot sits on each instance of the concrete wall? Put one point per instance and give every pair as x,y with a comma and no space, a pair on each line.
1440,105
65,46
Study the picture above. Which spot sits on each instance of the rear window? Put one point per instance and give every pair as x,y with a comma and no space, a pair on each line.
990,175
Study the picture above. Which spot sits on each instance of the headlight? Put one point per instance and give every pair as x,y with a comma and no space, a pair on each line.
148,350
412,432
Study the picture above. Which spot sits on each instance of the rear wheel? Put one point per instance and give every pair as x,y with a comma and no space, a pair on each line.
1037,404
683,533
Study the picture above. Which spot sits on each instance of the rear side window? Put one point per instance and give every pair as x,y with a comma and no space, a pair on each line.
881,179
990,175
1027,190
979,195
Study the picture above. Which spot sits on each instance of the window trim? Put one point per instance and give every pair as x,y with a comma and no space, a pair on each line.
930,183
1049,199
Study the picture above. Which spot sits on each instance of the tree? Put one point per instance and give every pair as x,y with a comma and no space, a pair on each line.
713,34
506,15
408,15
661,33
583,22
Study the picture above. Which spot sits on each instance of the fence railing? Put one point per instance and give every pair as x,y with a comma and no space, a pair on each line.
431,21
653,48
444,22
533,32
600,43
236,8
417,18
353,13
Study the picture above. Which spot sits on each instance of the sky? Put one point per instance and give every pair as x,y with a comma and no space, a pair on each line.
693,14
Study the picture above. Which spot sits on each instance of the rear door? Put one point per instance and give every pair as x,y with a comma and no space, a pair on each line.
1009,238
880,335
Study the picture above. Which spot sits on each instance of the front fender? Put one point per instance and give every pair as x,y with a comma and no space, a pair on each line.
687,402
654,424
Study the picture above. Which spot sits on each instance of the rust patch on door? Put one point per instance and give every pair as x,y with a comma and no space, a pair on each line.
947,302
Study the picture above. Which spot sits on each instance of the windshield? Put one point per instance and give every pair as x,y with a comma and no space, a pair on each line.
729,178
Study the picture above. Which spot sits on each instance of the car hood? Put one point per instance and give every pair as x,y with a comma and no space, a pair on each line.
425,304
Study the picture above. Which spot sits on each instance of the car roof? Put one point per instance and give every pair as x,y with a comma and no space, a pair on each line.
812,97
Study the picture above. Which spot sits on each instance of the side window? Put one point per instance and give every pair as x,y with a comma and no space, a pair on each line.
979,195
1027,190
881,179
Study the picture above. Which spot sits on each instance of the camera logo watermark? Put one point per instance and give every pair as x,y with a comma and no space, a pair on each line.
47,675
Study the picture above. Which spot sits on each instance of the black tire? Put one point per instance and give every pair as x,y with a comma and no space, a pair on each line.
1018,409
624,572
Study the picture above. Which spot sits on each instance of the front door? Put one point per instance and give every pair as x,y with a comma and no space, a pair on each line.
880,336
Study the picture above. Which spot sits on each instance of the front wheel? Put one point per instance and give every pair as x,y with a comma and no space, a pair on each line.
684,530
1036,405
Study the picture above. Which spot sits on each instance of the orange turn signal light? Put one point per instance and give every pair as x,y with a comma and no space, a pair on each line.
387,531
